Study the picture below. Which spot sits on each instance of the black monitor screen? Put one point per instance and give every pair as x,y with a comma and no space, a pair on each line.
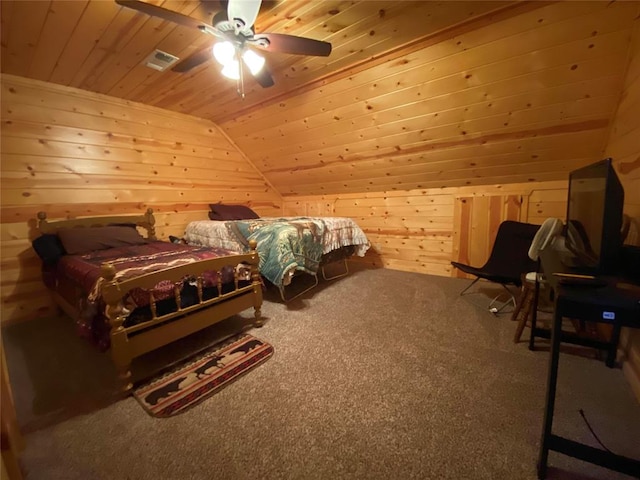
594,217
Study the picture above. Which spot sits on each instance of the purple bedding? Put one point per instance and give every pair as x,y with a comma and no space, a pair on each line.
130,261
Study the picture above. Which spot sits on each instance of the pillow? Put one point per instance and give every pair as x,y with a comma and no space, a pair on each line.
87,239
49,248
221,211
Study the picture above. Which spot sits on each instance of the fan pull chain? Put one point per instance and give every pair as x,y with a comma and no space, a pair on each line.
240,84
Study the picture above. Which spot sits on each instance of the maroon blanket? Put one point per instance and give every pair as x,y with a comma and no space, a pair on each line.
129,262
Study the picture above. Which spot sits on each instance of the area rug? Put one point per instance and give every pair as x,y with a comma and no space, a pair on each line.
199,378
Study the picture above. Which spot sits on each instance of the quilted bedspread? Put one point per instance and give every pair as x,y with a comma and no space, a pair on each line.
129,262
285,244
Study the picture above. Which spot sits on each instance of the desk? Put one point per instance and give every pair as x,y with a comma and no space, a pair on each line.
610,304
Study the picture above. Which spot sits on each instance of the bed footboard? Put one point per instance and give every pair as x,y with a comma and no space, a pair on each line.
129,342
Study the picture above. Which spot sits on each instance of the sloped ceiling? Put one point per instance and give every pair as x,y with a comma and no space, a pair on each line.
414,94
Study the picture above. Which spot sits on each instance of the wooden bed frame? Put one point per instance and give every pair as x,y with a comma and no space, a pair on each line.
128,343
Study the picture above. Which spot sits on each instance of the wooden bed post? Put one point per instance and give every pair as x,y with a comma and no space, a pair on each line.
114,312
42,221
257,285
151,221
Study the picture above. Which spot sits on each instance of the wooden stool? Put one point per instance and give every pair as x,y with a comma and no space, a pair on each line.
525,306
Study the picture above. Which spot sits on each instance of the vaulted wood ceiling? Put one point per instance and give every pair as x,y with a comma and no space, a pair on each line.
414,95
100,46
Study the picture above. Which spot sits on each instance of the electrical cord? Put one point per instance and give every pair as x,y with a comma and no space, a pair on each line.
592,432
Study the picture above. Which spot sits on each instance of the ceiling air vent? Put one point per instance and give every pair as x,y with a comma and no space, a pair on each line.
160,60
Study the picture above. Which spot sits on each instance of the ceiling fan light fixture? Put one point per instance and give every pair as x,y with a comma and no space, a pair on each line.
224,52
231,70
254,61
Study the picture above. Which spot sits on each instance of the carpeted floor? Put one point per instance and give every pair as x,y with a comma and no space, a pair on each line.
378,375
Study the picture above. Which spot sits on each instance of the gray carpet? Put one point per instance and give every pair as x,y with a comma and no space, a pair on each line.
381,374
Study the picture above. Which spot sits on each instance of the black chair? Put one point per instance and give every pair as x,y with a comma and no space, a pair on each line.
508,262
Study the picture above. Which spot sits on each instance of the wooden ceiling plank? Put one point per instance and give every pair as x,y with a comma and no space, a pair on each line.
376,186
485,57
94,105
114,161
60,23
285,79
301,19
316,85
535,89
457,158
17,145
90,126
466,102
469,154
26,140
498,113
138,48
202,108
425,163
142,80
425,18
34,166
377,74
445,138
108,140
6,13
171,92
560,168
123,26
163,92
93,23
449,135
514,27
387,136
612,57
27,20
526,149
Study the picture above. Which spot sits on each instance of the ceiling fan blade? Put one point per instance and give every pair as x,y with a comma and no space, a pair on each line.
163,13
245,10
264,78
193,60
280,42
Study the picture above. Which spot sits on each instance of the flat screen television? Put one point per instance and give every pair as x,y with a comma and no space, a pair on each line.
594,219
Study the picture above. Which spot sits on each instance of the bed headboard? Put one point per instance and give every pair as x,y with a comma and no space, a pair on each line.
146,221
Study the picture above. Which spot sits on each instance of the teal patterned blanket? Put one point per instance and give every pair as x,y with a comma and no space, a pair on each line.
283,244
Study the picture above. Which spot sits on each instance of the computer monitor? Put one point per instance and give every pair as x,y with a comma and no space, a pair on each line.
594,218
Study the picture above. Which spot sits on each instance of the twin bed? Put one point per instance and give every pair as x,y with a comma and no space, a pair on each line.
286,245
134,294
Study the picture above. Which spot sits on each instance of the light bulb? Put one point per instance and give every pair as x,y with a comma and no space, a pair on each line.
254,61
224,52
231,70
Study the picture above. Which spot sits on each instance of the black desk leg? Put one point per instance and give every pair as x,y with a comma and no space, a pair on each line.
534,313
613,346
552,381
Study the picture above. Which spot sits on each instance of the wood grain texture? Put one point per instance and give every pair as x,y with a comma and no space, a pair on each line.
77,154
414,95
424,230
527,98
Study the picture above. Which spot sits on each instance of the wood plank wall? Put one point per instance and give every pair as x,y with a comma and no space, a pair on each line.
624,147
73,153
524,98
420,230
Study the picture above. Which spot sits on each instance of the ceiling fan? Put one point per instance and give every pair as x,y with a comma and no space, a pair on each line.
235,40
